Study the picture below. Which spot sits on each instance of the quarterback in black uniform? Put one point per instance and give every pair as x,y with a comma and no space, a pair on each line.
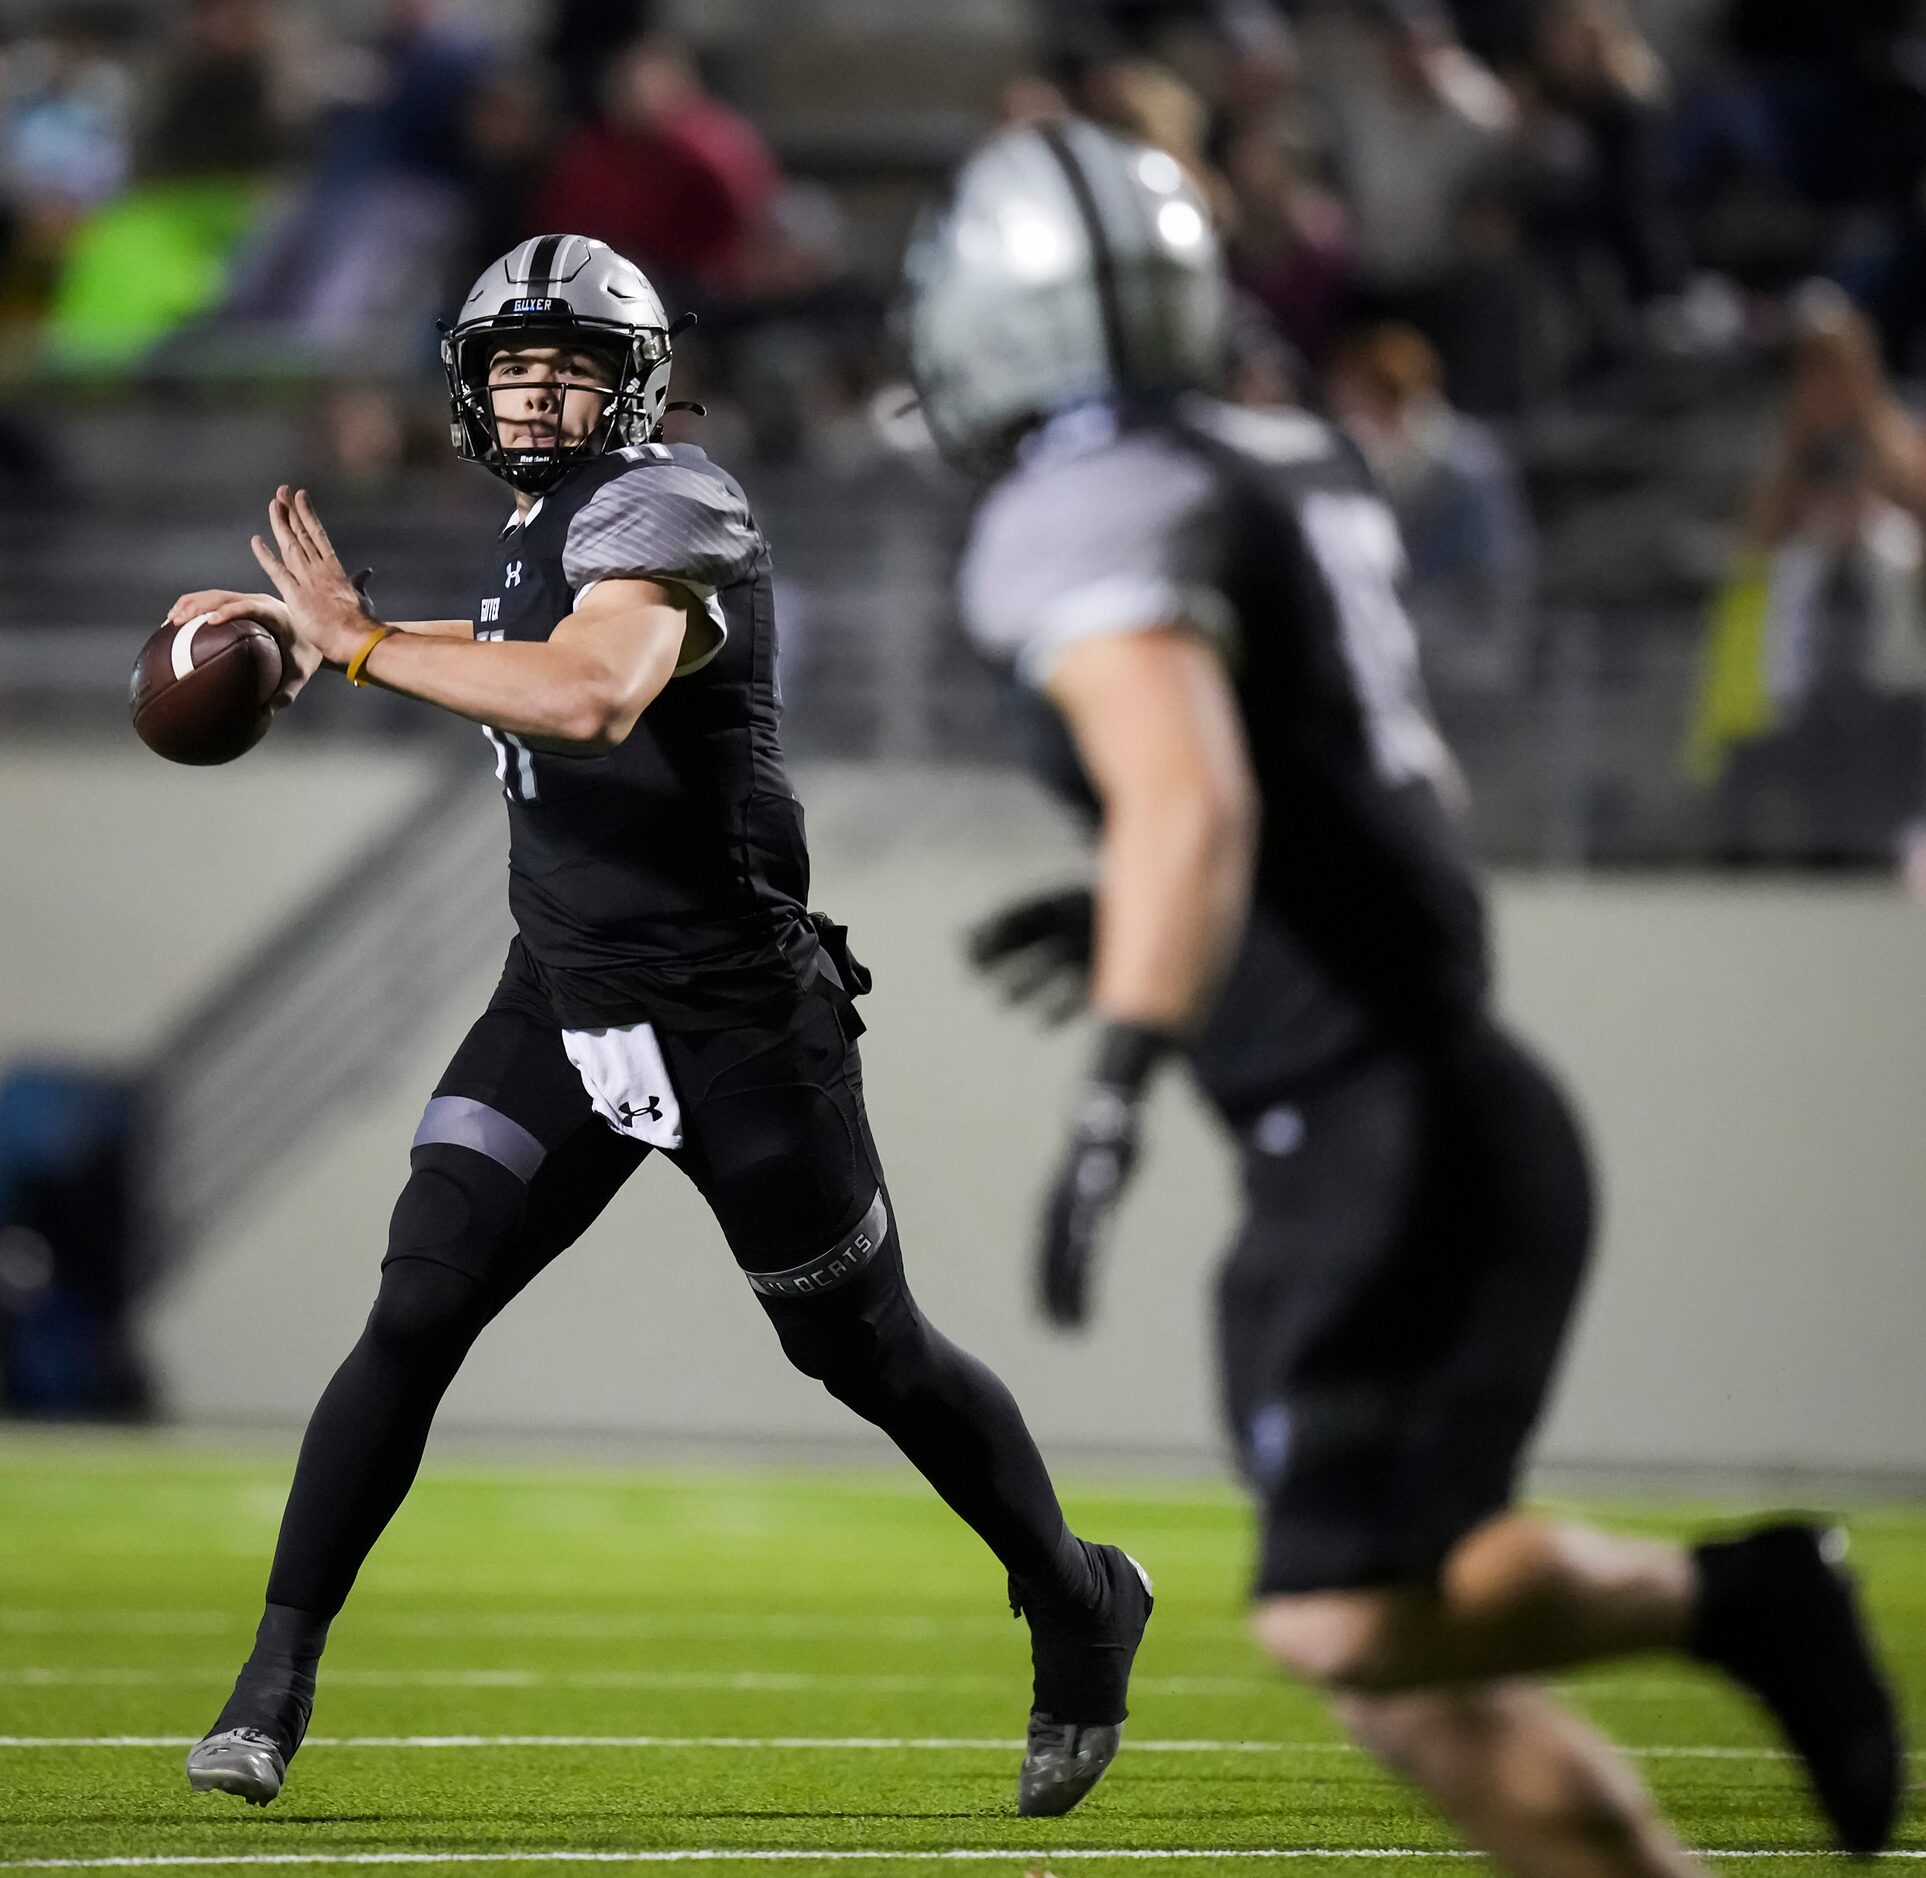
1199,605
667,990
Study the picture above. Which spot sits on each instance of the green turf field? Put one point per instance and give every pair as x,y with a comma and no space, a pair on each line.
803,1671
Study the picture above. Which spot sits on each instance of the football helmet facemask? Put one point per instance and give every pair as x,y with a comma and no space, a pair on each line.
559,290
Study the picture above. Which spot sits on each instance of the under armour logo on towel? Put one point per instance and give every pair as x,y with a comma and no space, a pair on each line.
628,1082
513,578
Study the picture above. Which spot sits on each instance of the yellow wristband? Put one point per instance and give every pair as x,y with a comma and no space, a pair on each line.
360,659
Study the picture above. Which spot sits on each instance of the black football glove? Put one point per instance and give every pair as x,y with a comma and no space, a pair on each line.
1095,1170
1038,950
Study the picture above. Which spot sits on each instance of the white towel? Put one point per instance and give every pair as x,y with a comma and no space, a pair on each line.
628,1082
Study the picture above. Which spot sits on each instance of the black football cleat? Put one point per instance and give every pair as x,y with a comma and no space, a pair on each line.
1779,1613
1061,1763
1082,1676
246,1762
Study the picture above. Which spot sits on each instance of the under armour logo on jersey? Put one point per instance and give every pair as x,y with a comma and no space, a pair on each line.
650,1111
513,578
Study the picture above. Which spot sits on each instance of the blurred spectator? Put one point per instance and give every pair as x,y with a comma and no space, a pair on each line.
1812,716
584,38
1290,242
800,344
1799,143
1497,318
510,135
1843,426
1594,96
66,116
1237,55
1499,31
671,176
66,147
1460,508
1837,89
1148,101
148,262
421,85
1078,34
363,261
223,98
1418,121
687,187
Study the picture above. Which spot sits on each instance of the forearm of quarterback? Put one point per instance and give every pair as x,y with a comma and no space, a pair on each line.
558,694
434,628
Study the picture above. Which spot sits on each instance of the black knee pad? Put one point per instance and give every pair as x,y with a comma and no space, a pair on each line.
782,1165
459,1209
426,1310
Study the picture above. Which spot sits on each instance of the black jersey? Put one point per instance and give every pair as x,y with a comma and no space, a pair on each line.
1263,531
664,880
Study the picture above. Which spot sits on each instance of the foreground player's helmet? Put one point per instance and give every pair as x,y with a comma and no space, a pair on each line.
559,290
1067,264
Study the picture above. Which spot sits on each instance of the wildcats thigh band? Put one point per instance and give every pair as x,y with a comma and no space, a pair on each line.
828,1269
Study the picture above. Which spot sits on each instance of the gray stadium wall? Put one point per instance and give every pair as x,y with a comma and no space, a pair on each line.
1749,1056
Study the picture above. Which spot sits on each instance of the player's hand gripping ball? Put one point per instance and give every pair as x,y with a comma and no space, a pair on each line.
202,691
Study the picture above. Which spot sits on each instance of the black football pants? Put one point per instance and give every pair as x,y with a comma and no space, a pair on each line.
518,1165
1390,1319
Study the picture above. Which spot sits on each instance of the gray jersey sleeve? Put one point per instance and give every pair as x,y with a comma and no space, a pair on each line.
662,521
1117,538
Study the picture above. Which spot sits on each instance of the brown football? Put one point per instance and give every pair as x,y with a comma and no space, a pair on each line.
200,692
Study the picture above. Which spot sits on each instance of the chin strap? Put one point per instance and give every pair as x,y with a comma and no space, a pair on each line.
677,327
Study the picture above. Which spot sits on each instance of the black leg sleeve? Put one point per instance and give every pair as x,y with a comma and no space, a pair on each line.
776,1137
864,1339
456,1216
365,1439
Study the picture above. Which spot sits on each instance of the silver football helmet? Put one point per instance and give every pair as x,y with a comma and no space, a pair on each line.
1067,264
558,288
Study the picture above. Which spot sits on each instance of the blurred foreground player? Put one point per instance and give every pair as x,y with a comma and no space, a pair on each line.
666,990
1201,604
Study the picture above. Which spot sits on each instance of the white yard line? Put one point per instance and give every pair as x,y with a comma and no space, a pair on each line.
597,1627
777,1682
119,1623
835,1744
757,1681
778,1488
705,1856
841,1856
585,1626
577,1625
610,1627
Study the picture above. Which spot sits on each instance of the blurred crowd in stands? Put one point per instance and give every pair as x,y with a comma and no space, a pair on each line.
1454,217
1447,219
237,193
